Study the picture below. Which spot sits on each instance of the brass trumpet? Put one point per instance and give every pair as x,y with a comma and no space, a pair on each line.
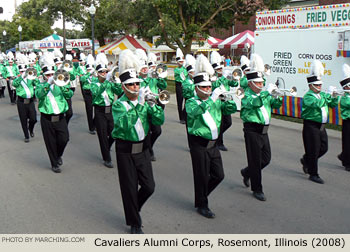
228,96
159,69
339,92
163,97
61,77
30,73
282,92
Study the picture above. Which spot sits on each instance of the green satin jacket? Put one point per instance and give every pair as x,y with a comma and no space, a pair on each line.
131,122
256,108
204,117
103,93
180,74
25,88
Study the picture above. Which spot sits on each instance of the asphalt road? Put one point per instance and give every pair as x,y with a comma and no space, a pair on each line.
85,197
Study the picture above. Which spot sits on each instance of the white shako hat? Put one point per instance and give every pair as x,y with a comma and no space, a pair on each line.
256,68
128,64
317,70
203,71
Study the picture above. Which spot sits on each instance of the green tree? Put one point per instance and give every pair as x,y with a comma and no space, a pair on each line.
182,21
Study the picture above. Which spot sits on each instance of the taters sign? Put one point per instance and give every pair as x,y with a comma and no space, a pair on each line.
300,18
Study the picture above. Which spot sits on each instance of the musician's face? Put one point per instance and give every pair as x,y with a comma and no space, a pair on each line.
316,87
47,76
346,88
133,87
256,86
203,92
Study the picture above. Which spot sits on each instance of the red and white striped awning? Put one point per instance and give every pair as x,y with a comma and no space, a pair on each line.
236,41
211,41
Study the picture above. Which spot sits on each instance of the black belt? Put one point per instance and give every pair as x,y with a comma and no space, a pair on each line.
202,141
25,100
256,127
124,146
53,118
319,125
103,109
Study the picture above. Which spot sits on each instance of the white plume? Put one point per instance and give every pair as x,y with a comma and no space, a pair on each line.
244,60
141,55
152,57
190,60
47,59
57,53
101,58
32,56
203,65
128,60
215,57
90,60
179,53
317,68
82,57
256,63
22,59
10,55
69,57
346,71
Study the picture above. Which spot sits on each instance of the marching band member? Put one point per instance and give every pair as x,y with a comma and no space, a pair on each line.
85,82
154,85
25,103
3,81
188,85
72,70
131,131
204,112
58,59
103,93
52,106
11,72
215,60
256,116
180,75
315,114
344,156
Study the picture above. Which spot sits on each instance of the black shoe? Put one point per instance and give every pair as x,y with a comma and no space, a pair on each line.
339,157
92,132
347,168
108,164
13,103
222,147
26,140
153,158
59,161
259,195
206,212
31,134
316,179
182,122
245,179
136,230
305,170
56,169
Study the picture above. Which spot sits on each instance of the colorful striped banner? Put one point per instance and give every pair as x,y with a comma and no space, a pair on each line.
345,54
291,106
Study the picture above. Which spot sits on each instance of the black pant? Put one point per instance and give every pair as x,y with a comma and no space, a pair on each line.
2,92
134,170
208,170
12,93
179,100
226,123
258,154
56,137
315,144
345,133
88,107
27,116
104,127
69,112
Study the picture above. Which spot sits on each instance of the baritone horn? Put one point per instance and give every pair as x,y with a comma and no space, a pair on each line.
30,73
115,75
67,65
61,77
236,74
163,97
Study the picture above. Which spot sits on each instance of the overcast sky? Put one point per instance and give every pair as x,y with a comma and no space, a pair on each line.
9,10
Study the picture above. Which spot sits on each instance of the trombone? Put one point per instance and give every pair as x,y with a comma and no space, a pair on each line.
61,77
163,97
30,73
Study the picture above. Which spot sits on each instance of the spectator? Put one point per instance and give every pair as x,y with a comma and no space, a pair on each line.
228,61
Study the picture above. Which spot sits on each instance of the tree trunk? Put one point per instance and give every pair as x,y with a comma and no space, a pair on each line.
64,36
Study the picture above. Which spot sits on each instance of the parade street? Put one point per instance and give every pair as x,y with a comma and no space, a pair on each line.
86,198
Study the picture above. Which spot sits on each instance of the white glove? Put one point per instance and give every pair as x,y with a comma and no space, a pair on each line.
213,78
271,87
217,92
50,80
331,89
142,95
163,75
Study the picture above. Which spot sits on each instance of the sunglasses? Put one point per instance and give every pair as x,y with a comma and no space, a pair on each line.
205,86
132,84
